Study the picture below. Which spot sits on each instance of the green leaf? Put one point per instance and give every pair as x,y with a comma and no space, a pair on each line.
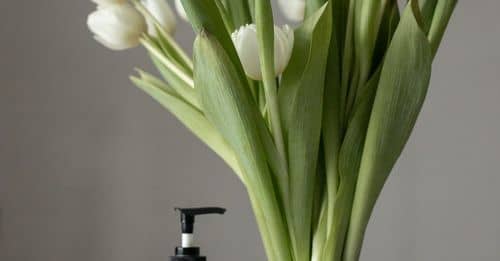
428,7
151,80
320,233
368,28
185,91
251,6
319,191
164,40
331,133
301,106
204,15
347,62
225,15
174,51
192,118
228,104
156,52
388,26
312,6
368,15
348,165
240,12
340,10
400,95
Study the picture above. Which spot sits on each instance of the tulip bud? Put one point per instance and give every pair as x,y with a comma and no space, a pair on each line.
293,9
163,14
180,10
117,26
247,45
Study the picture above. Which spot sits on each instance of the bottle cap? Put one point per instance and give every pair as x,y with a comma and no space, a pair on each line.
187,251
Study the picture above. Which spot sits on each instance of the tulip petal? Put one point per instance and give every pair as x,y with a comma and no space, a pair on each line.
247,45
283,45
162,13
180,10
113,46
293,10
117,27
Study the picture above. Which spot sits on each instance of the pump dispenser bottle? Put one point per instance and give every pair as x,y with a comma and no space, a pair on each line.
188,251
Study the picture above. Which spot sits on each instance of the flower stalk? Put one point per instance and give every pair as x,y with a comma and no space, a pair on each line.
266,39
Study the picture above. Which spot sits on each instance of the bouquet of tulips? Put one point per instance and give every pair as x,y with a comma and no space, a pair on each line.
312,119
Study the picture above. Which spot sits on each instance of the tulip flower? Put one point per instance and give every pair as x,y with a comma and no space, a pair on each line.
117,26
180,10
246,44
293,9
162,13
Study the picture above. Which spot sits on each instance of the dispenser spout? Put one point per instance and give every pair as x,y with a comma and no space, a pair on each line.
187,221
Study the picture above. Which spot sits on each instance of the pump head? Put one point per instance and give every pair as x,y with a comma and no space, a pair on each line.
187,251
188,214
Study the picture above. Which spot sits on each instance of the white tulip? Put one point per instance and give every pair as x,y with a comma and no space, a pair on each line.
118,26
246,44
180,10
293,9
162,13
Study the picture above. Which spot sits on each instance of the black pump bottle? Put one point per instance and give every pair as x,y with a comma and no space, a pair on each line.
187,251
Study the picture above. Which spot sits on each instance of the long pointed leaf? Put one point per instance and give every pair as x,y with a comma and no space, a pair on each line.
428,7
349,159
240,12
228,104
312,6
331,127
400,95
301,103
368,15
186,91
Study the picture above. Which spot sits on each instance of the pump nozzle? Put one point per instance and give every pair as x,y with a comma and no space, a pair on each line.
187,221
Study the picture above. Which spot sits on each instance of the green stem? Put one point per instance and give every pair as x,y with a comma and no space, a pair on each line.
271,222
347,63
442,14
228,23
178,53
263,228
265,33
272,106
167,63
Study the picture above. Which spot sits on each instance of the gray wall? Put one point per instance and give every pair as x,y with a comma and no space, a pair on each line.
91,168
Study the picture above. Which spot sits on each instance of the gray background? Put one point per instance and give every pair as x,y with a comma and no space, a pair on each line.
91,168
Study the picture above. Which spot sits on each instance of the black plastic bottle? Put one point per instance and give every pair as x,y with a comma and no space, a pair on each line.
187,251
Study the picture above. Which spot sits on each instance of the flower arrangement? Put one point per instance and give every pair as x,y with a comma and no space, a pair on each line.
312,119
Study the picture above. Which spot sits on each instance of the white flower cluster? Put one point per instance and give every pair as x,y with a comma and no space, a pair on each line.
118,25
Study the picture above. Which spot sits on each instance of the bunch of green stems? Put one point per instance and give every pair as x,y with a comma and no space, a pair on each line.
314,145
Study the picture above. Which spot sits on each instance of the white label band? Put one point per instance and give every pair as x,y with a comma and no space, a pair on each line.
187,240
